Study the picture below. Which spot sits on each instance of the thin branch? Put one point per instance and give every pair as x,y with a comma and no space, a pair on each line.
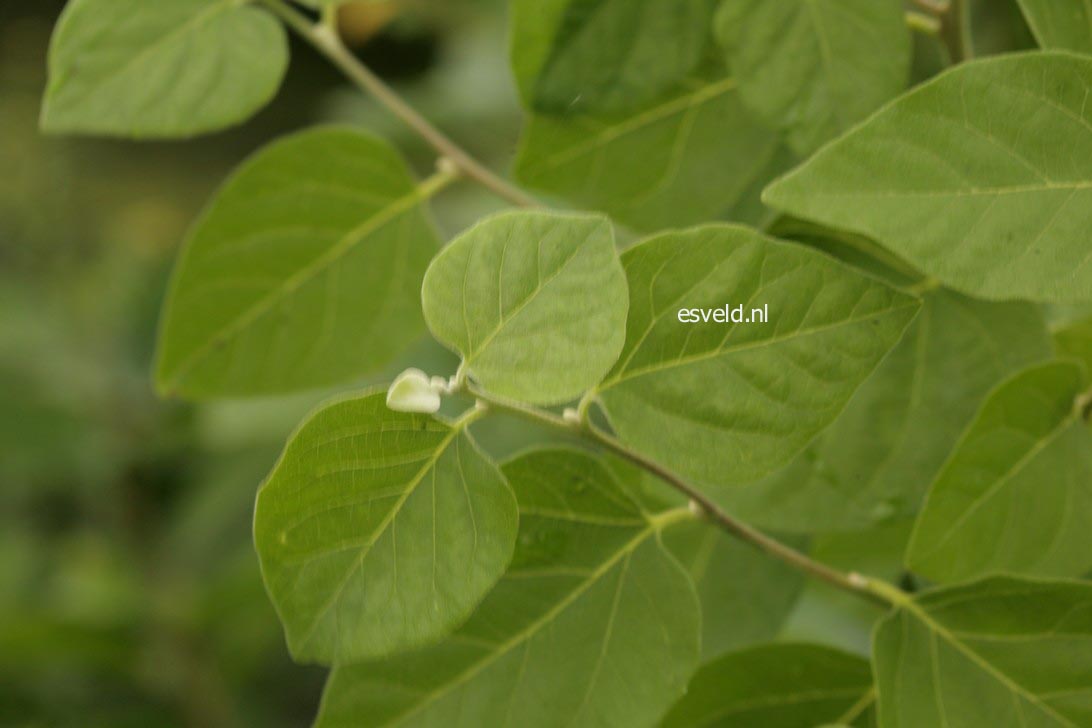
321,36
873,590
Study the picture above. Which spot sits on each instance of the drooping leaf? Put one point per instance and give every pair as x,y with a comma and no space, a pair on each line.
169,68
594,624
571,56
689,156
745,595
1074,341
1002,651
1016,495
956,177
1060,24
815,67
379,531
876,461
725,403
534,302
784,685
304,271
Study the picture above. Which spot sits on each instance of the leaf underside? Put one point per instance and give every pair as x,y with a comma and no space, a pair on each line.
379,531
303,272
1002,651
594,623
729,403
965,178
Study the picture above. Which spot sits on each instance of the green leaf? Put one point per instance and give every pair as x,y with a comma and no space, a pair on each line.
303,273
1016,495
692,155
783,685
379,531
168,68
1001,651
571,56
534,302
1074,341
729,403
1060,24
815,67
955,178
876,461
595,623
746,596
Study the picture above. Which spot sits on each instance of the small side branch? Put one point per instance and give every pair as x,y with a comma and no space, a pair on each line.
324,38
702,506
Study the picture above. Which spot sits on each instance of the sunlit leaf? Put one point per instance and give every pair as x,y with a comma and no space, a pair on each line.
535,303
726,403
967,178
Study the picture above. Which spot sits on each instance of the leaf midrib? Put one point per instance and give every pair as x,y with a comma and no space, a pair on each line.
380,529
1004,479
198,19
940,630
534,627
612,132
297,280
476,350
724,351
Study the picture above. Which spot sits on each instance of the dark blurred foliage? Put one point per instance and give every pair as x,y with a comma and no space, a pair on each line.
129,590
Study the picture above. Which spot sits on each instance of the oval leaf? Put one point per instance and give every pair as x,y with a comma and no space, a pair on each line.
595,624
379,531
1002,651
534,302
1016,495
168,68
815,67
956,177
729,403
303,273
783,685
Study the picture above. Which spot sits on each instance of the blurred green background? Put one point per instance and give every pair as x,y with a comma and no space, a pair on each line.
129,588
